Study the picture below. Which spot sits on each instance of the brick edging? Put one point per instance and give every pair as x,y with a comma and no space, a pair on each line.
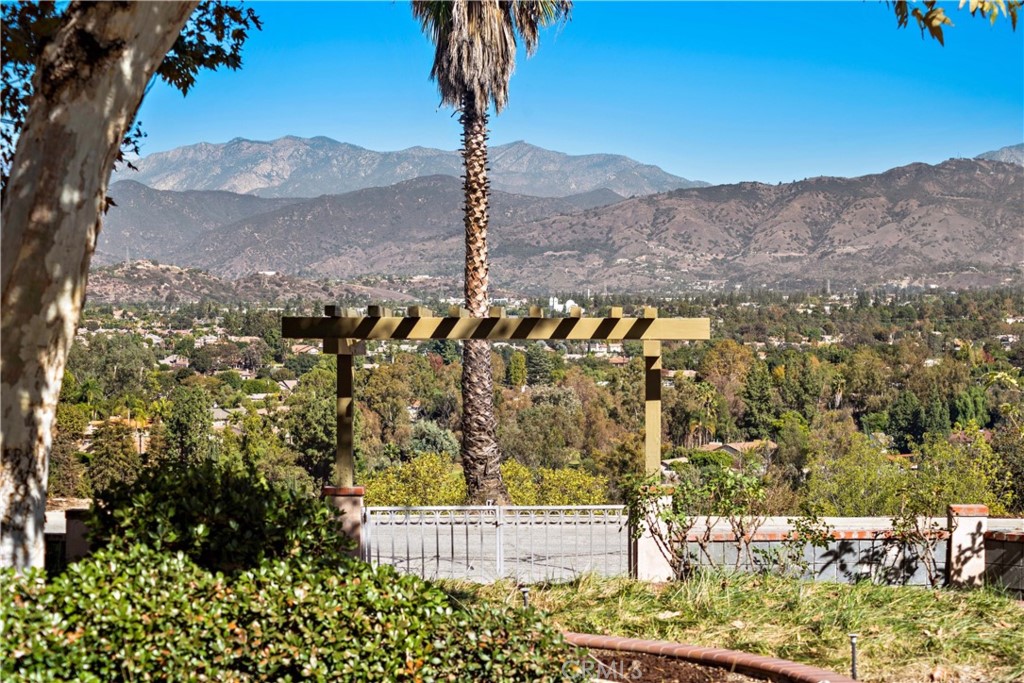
778,670
1010,536
969,510
844,535
343,491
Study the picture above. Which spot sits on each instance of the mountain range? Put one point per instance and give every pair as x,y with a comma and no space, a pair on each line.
1013,154
372,230
957,223
310,167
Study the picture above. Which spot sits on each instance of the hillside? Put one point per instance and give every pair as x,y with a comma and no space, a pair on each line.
959,221
157,224
148,282
410,228
956,224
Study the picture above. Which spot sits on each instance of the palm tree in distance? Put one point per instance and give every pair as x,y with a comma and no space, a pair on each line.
475,54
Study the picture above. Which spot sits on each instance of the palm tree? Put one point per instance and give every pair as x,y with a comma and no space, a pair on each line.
475,53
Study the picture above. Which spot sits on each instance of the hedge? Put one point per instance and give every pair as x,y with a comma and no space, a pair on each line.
210,574
134,613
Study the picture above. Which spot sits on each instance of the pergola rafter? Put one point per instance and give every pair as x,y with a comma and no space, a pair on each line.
344,333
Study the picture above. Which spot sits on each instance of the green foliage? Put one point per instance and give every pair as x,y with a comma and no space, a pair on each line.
547,433
430,437
801,383
447,349
520,483
68,474
790,559
710,462
933,18
301,363
189,425
231,378
693,412
516,371
759,410
114,459
799,620
905,421
427,479
570,486
540,364
112,366
970,406
134,613
543,486
311,423
259,386
963,470
671,512
260,449
850,476
223,518
1008,445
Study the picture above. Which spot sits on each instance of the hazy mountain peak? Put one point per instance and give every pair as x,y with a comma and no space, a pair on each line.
309,167
1011,154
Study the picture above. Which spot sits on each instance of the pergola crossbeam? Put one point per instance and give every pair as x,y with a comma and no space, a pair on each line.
496,328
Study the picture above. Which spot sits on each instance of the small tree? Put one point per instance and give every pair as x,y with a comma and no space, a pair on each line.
114,458
189,426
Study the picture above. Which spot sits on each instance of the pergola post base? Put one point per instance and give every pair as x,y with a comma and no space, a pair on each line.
349,501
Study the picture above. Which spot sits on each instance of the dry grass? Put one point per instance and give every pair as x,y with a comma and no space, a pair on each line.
907,634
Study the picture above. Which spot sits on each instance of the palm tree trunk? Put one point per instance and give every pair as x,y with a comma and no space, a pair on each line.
480,455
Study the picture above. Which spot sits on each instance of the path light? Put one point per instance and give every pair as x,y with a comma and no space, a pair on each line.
525,590
853,655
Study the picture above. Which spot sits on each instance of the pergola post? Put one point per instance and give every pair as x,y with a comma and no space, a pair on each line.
652,400
344,349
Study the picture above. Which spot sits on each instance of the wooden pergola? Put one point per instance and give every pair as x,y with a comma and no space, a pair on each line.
344,333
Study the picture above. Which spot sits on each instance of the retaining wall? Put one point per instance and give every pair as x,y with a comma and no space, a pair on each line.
851,556
1004,560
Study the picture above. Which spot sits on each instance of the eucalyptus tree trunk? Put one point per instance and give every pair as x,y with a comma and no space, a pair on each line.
87,88
480,455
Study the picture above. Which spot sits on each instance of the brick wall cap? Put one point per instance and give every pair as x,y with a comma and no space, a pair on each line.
969,510
733,660
344,491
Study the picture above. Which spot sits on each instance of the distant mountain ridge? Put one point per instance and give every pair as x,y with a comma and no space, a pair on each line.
235,234
310,167
957,223
1011,154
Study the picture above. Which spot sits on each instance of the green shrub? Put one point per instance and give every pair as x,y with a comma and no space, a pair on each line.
711,461
571,486
133,613
427,479
519,482
543,486
224,518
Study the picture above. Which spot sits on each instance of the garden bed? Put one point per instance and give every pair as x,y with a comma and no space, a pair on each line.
907,634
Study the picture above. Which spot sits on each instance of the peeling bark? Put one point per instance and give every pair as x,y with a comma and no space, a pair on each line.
480,455
88,86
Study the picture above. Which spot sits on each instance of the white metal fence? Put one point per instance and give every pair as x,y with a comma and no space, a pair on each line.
485,543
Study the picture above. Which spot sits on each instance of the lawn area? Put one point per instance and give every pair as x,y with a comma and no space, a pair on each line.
907,634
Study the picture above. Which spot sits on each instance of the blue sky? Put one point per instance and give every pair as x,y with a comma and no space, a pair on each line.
719,91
